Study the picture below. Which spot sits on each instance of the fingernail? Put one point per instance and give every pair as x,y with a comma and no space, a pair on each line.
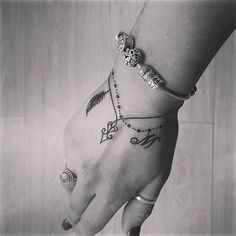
134,231
66,225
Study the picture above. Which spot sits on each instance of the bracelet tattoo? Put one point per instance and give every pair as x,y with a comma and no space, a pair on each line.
112,125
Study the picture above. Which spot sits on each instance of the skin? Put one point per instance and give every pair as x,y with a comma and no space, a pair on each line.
104,169
111,173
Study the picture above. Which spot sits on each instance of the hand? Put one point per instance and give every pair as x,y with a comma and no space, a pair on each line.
116,156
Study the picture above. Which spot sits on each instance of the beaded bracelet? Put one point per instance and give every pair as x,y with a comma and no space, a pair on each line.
133,58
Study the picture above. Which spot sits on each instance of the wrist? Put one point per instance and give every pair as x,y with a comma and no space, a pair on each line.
138,96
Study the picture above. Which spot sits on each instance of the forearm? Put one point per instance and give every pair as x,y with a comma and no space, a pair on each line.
179,39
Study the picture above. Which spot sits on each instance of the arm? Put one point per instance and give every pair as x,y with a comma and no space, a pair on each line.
113,161
179,39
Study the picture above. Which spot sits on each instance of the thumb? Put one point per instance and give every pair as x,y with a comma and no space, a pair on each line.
136,211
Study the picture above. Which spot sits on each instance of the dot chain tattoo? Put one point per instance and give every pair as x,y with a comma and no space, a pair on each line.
112,125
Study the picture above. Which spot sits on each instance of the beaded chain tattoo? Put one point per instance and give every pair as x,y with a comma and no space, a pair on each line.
145,137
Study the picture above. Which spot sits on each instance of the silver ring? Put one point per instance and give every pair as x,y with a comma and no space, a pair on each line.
145,200
68,178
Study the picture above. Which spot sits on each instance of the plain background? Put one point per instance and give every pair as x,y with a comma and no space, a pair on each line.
53,55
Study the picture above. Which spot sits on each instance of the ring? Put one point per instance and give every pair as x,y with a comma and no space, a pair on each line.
145,200
68,178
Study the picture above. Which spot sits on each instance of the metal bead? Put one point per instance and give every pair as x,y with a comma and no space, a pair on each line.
124,41
152,84
132,57
155,82
159,81
143,69
149,75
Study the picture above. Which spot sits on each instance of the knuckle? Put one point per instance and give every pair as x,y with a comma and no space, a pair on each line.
111,195
67,131
86,170
112,198
117,191
70,134
89,175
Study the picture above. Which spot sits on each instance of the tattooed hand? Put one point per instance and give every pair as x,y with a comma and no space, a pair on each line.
121,142
116,155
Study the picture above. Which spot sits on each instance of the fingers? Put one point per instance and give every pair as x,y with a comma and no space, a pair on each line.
96,216
89,213
134,214
136,211
68,180
80,198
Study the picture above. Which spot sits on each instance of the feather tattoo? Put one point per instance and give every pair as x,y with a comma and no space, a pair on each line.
96,99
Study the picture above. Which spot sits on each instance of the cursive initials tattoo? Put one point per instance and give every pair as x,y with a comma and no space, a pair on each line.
147,141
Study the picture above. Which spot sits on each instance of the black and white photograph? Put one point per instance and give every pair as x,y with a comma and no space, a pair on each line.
117,117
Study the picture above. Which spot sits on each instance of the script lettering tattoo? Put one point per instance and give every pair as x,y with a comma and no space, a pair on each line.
96,99
147,141
106,132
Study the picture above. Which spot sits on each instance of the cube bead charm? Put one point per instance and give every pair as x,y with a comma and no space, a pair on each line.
124,41
143,69
149,75
155,83
132,57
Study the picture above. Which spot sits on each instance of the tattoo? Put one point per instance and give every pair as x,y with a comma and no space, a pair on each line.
112,125
96,99
106,132
147,141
